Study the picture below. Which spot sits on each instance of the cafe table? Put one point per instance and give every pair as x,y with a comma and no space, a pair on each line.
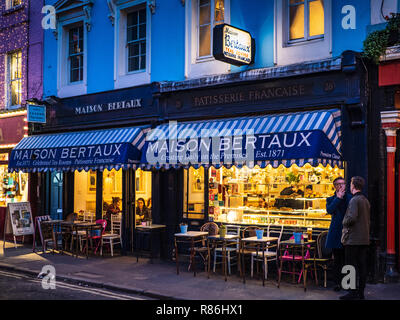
292,247
190,237
81,225
254,243
213,242
151,230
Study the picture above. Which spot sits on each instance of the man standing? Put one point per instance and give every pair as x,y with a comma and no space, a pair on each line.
355,236
336,206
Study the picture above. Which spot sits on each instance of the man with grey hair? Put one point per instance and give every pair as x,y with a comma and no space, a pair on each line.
355,236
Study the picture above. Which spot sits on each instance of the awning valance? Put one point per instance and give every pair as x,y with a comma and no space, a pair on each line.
293,138
86,150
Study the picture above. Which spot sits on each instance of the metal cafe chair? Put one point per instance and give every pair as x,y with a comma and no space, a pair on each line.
271,254
249,249
212,229
114,237
232,252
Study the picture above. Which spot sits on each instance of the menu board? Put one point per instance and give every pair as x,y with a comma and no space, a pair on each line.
21,218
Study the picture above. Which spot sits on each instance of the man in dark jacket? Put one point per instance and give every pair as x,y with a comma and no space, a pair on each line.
336,206
355,236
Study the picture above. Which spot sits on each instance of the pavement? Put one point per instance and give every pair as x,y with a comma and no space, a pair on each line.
159,279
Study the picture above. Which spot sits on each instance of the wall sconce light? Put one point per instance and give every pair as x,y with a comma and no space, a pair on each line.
152,6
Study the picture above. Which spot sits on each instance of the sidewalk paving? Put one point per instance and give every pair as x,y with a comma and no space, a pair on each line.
160,280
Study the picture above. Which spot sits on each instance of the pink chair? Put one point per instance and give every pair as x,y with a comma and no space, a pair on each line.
287,257
98,237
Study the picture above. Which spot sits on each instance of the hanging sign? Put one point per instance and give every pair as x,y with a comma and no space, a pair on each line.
36,114
232,45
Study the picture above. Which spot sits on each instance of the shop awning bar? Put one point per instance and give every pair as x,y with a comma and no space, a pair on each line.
86,150
292,138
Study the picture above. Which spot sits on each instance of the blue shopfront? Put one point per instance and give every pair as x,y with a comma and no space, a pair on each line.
87,158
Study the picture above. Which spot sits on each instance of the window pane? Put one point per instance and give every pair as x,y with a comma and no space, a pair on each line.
193,202
132,33
14,186
16,92
133,64
143,196
205,15
143,47
112,196
296,26
316,23
132,18
142,16
142,31
142,62
133,49
85,194
205,41
219,11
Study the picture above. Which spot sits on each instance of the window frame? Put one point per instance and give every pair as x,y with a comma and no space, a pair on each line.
74,55
306,37
10,79
135,9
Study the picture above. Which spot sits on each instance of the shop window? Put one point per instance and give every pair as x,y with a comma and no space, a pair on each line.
194,186
13,187
112,195
14,79
136,40
306,19
75,54
143,189
292,196
85,184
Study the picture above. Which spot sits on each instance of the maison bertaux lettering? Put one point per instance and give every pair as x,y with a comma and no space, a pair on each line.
296,90
111,106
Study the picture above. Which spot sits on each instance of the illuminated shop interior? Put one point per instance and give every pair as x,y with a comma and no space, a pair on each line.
13,187
294,196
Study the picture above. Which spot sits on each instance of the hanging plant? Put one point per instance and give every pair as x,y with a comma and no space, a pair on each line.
376,43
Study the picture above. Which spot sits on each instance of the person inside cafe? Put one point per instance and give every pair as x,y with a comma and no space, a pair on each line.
292,191
113,208
142,212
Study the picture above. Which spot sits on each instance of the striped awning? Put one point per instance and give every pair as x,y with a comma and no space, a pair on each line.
85,150
294,138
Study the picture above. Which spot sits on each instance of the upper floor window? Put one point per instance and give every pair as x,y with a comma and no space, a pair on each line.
136,40
210,13
12,3
14,79
306,20
75,54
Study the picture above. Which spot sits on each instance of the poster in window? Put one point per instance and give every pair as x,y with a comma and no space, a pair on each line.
92,181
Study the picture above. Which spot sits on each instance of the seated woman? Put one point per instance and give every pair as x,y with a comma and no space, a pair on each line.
142,212
113,208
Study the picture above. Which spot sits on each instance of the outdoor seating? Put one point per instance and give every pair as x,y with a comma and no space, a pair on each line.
202,251
114,237
96,235
231,252
324,255
271,254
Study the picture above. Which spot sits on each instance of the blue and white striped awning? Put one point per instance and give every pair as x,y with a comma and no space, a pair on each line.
85,150
294,138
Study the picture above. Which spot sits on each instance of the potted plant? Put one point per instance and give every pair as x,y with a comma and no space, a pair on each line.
292,178
222,231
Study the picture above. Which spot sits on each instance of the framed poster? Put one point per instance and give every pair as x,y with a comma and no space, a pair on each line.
21,218
92,181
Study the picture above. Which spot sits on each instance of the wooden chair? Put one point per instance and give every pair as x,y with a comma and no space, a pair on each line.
212,229
271,254
114,237
250,247
324,256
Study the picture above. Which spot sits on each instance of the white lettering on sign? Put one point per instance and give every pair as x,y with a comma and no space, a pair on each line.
126,104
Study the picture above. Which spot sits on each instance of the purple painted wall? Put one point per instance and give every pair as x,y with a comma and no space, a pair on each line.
21,29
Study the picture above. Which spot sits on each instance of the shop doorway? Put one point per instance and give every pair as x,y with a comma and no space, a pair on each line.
56,198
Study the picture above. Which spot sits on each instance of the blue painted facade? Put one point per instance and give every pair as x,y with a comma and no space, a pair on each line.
168,39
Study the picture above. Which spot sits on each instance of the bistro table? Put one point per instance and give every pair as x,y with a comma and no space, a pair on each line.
150,230
225,241
79,225
191,237
299,247
256,243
